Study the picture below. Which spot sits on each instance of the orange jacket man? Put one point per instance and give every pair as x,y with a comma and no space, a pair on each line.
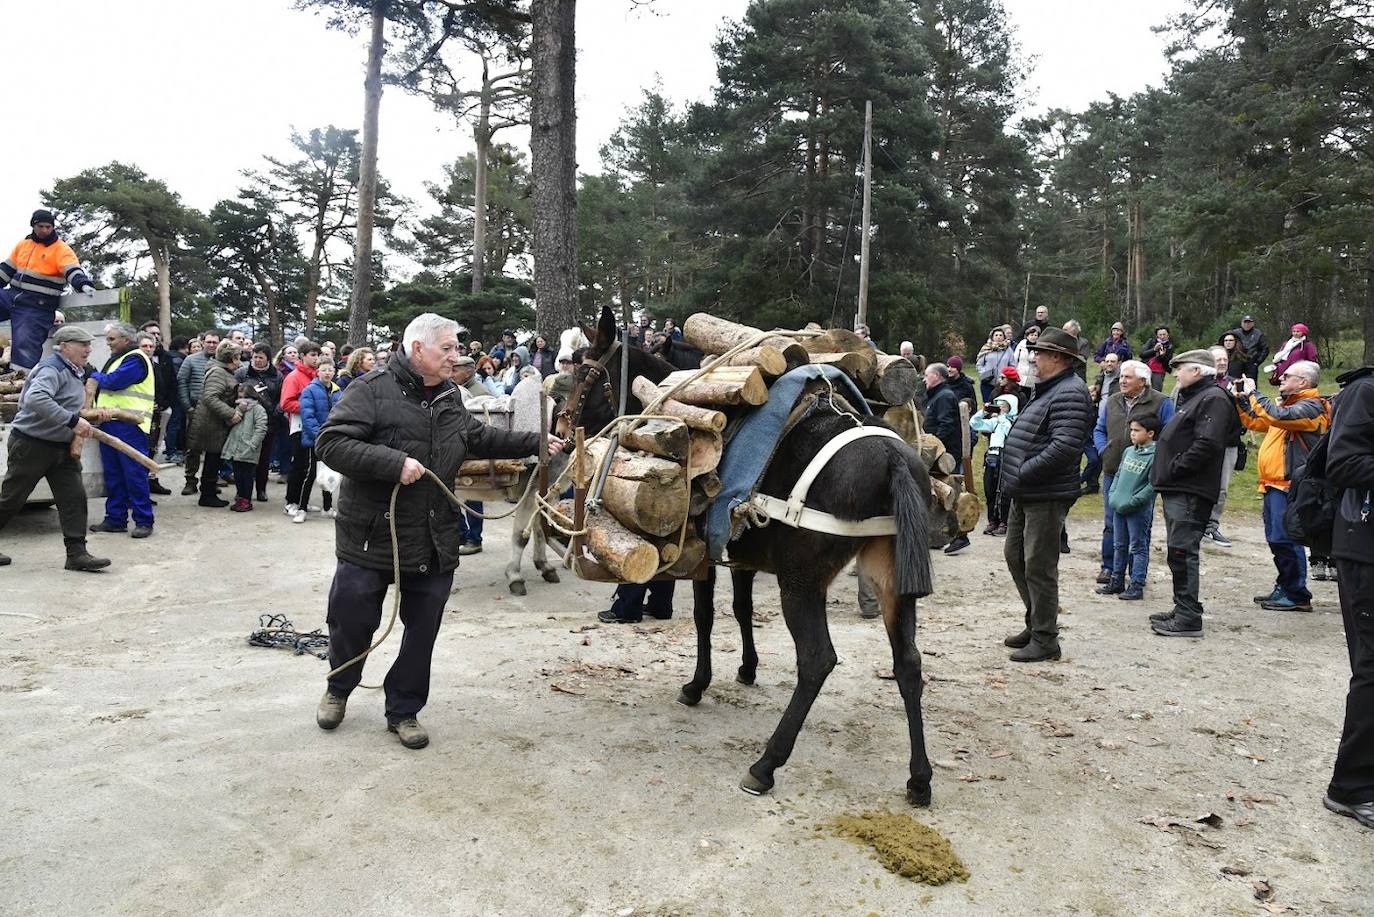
35,274
1291,428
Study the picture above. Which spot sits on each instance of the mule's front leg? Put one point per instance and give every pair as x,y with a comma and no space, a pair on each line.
541,558
743,605
704,615
803,607
515,580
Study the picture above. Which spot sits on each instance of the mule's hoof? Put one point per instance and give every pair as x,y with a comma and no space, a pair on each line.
918,796
754,786
550,575
744,676
688,696
517,587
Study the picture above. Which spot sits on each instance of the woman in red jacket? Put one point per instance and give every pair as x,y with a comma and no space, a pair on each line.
1297,348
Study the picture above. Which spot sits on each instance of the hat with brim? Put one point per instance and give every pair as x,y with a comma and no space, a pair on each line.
72,334
1117,326
1057,340
1196,357
464,361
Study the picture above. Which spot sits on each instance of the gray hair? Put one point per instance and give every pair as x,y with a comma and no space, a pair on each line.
1219,353
1076,330
1135,368
124,330
1308,370
427,328
144,336
938,368
528,370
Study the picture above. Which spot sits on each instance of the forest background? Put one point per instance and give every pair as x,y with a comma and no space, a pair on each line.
1243,183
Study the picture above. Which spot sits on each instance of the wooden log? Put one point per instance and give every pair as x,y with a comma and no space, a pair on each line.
902,418
838,340
645,493
94,415
717,335
706,452
704,490
851,364
479,467
120,446
931,449
8,412
11,387
896,381
968,511
665,438
628,557
10,399
771,361
724,385
942,495
693,553
946,464
500,482
695,417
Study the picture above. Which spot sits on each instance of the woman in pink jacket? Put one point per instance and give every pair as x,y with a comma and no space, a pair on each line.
1298,347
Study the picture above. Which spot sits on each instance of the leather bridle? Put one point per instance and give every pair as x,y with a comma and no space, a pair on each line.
572,411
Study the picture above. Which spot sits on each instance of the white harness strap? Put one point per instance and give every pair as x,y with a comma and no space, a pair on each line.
793,510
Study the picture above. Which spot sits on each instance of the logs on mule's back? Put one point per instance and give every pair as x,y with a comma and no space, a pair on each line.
774,356
698,418
723,386
645,493
896,382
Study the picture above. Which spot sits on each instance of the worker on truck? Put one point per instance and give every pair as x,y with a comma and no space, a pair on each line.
31,279
40,444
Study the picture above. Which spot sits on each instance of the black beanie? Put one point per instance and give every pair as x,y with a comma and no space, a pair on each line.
42,216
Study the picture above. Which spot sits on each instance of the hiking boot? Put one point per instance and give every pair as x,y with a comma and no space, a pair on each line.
241,505
1001,530
109,529
1017,641
190,489
1104,576
957,545
330,712
1284,603
212,502
1035,652
470,547
990,529
410,732
1116,586
611,616
261,497
1133,593
1273,596
85,563
1162,615
1362,812
155,487
1177,627
141,531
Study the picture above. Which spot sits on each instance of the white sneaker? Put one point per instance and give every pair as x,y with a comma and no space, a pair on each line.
332,513
312,508
290,509
299,516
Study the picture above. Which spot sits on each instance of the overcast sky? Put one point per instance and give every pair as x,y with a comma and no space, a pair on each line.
193,91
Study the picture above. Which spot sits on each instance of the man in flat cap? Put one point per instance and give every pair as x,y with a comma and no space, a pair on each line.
1187,474
40,444
31,278
1040,474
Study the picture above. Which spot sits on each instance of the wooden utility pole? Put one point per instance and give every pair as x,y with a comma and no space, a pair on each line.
360,305
868,208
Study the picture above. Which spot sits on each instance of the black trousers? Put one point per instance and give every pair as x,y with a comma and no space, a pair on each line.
1185,519
30,461
355,613
992,481
629,599
302,478
1352,779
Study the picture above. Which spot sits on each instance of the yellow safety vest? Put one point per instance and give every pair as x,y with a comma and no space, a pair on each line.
137,398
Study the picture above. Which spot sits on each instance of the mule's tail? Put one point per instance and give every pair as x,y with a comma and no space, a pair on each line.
911,565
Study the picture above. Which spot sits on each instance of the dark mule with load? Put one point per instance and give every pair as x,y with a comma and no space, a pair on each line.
871,476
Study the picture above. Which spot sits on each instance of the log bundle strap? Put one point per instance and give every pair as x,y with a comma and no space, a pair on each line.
794,512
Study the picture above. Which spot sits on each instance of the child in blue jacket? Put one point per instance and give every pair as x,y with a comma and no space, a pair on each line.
317,399
1132,499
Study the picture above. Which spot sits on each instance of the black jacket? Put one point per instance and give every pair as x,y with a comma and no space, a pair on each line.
942,419
265,386
1252,342
1192,446
1350,464
383,418
964,391
1042,453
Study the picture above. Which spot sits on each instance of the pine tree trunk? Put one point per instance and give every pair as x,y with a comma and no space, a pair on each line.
482,137
360,305
1139,262
312,278
553,161
1369,310
269,295
163,266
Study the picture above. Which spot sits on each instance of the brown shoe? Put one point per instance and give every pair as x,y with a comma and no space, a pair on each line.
410,732
330,713
1016,641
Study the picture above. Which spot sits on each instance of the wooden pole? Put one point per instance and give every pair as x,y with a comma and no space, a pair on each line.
868,209
579,491
119,446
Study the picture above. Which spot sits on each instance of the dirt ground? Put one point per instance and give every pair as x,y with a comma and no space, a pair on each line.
155,763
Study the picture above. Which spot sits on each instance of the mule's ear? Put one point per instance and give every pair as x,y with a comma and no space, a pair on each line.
605,329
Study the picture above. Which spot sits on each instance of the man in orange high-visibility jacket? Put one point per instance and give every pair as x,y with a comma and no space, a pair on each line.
31,278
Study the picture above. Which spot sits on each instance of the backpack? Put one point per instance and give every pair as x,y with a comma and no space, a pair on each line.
1312,502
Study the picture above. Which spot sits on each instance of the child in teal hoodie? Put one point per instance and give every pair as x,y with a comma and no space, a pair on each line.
1132,499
